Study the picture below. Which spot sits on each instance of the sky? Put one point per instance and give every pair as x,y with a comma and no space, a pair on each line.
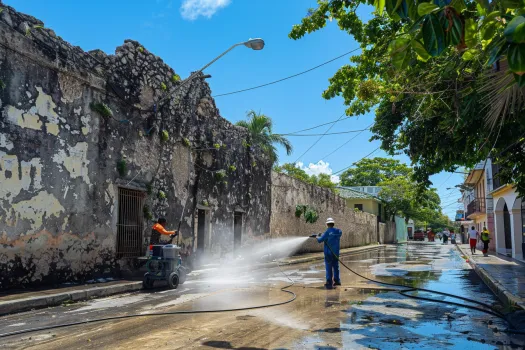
187,34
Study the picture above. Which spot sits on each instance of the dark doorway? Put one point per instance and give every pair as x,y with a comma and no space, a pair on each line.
201,224
237,231
130,225
506,223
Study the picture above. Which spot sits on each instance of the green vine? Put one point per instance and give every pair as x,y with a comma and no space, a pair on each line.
217,146
232,168
164,136
175,78
220,175
310,214
163,86
147,213
141,49
102,109
205,203
161,194
186,142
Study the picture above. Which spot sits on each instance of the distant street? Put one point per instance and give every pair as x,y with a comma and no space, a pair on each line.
356,315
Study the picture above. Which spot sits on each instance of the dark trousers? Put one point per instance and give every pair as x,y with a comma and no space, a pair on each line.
332,268
485,247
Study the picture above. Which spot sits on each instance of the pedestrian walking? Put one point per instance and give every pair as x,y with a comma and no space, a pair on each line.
331,238
452,237
485,238
446,233
473,235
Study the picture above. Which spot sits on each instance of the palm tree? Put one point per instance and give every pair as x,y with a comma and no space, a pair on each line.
260,129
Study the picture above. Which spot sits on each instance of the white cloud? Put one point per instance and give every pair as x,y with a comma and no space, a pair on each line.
192,9
321,167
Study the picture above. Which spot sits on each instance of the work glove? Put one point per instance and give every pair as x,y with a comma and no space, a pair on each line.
174,235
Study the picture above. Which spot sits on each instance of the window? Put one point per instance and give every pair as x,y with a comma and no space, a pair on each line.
358,206
130,225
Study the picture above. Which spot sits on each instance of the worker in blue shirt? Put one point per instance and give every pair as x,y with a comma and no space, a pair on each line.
331,237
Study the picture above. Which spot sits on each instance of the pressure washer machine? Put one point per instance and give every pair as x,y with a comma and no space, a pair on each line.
164,263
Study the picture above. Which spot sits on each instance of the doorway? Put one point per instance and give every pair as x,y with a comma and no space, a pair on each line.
237,231
506,224
201,230
130,224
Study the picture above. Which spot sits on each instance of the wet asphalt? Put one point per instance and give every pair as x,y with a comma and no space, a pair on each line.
359,314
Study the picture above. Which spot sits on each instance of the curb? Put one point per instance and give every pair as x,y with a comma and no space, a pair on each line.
497,288
26,304
20,305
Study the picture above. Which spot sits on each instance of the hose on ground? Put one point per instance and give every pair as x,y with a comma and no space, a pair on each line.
170,313
490,311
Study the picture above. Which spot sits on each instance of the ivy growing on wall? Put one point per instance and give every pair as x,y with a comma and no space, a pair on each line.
310,214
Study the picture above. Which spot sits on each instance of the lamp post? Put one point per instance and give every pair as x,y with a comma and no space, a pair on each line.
254,44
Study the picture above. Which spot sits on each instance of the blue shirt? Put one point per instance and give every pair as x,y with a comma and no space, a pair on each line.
332,236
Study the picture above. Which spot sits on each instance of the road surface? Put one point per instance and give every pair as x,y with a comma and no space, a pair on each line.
357,315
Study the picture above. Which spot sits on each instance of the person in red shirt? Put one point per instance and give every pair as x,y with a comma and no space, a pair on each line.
158,229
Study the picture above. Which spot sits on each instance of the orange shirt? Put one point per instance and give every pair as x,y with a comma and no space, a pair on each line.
160,229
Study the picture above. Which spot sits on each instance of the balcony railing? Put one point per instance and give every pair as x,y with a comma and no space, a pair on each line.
476,206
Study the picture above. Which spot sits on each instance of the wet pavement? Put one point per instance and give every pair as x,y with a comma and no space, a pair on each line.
359,314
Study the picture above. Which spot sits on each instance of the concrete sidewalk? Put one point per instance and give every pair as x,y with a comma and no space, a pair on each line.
504,276
35,299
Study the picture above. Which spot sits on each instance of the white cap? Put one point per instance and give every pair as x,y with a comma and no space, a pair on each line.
330,221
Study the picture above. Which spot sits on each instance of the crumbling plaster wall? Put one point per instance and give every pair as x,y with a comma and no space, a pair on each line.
358,228
58,158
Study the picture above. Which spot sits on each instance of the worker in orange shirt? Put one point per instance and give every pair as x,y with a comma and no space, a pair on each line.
158,229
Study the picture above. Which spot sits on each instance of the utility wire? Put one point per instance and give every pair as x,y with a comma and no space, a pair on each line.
289,77
319,139
354,163
325,134
317,126
347,142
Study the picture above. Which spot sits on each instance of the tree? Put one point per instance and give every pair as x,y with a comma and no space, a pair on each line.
426,66
322,180
370,172
260,128
402,197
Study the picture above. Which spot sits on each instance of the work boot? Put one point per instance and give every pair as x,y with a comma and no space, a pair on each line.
328,285
337,283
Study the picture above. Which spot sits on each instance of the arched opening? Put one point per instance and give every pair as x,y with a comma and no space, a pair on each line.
507,229
499,224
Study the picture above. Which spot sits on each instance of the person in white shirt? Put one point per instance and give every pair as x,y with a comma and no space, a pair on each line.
473,239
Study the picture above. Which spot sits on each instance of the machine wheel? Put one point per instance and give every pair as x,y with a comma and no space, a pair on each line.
147,282
173,280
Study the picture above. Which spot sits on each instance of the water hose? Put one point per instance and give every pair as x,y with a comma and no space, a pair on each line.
407,290
170,313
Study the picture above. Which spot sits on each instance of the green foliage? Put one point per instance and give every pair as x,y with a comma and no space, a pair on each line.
175,78
164,135
149,188
147,213
163,86
186,142
254,164
245,144
102,109
310,214
260,128
220,175
428,64
217,146
141,49
205,202
290,169
232,168
357,210
161,194
2,84
122,167
370,172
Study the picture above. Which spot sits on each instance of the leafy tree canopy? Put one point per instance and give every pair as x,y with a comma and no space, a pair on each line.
447,77
370,172
322,180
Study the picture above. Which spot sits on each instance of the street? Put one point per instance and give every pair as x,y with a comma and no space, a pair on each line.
359,314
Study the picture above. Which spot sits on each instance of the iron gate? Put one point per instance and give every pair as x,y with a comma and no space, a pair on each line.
130,225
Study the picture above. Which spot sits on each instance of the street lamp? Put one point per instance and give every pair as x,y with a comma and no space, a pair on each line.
254,44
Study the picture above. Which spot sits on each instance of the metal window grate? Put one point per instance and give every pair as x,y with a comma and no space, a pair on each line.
130,226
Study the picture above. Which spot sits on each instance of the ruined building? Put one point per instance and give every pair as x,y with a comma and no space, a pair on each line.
94,147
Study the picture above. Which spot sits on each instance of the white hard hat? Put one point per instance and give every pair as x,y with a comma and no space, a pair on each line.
330,221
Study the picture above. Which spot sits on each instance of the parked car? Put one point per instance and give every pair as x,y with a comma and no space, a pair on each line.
419,235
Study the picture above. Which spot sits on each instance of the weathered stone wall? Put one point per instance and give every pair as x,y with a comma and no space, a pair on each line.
358,228
62,163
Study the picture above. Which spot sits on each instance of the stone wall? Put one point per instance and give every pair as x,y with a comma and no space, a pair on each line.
359,228
64,156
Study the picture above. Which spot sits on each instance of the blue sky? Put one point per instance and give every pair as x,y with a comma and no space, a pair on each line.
187,34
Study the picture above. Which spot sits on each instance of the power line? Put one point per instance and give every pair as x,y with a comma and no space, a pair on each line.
319,139
325,134
347,142
318,126
289,77
369,154
444,182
